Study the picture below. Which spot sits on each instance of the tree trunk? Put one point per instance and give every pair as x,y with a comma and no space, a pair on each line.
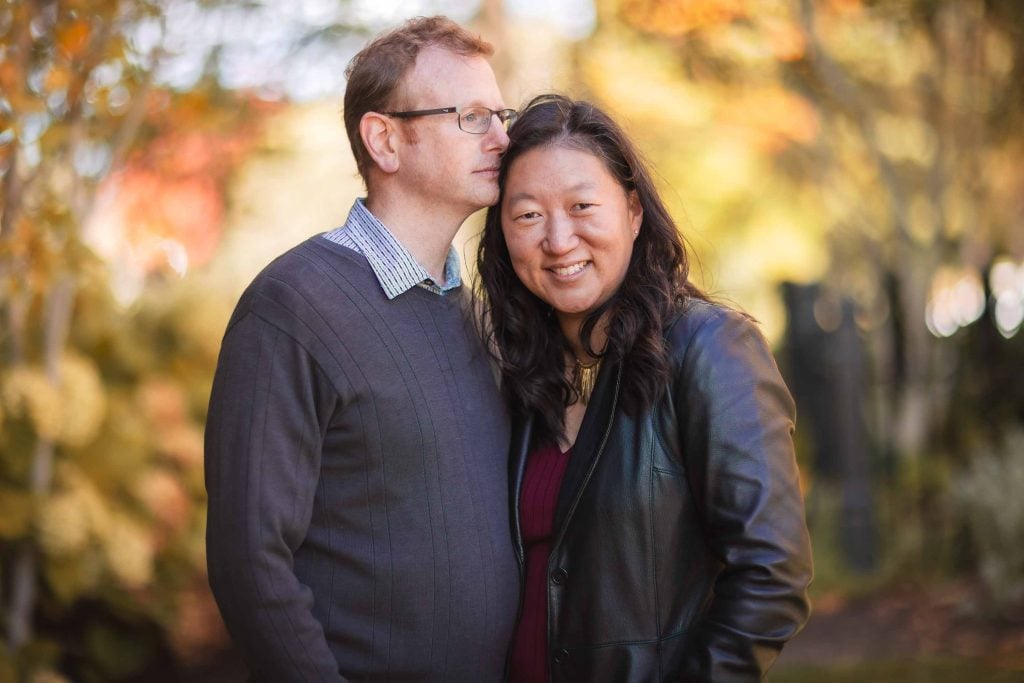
24,579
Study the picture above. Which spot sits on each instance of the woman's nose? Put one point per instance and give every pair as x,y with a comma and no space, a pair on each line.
560,237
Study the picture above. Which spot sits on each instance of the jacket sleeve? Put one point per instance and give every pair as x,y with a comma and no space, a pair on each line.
263,443
736,418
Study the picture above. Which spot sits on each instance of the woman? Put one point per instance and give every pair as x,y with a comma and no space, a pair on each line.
656,508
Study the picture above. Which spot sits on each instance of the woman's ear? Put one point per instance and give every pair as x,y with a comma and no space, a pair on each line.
636,212
380,137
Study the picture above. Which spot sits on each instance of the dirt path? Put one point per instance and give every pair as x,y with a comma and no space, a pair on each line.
905,623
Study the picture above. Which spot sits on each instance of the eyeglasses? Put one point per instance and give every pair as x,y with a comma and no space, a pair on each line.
476,120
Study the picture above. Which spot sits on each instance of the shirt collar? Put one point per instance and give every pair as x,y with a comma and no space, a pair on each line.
396,269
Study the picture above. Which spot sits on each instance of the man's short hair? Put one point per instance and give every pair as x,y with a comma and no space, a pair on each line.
375,73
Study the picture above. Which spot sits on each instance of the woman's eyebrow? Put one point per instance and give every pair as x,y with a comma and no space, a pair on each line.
578,187
520,196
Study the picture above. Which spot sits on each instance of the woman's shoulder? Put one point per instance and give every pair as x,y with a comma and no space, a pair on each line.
700,322
694,315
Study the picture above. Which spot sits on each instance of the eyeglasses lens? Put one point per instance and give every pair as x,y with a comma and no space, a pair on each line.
478,119
475,120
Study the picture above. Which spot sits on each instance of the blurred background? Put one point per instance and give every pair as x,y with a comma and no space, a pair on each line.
849,172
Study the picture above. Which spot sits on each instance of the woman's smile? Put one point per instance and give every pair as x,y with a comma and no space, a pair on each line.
568,272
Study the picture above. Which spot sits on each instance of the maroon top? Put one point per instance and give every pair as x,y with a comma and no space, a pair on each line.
545,468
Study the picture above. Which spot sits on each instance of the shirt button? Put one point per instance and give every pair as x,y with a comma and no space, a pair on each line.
559,576
561,656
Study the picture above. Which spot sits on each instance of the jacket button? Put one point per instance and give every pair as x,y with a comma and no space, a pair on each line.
561,656
559,576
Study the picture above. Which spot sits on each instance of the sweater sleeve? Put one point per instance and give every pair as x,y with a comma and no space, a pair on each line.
736,417
268,410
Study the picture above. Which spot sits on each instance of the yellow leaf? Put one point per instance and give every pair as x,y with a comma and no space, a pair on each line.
27,391
70,413
15,512
63,529
128,547
84,400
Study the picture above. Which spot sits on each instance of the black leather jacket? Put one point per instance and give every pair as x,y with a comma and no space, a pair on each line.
680,548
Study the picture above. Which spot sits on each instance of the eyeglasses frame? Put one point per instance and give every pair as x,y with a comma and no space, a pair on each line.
502,114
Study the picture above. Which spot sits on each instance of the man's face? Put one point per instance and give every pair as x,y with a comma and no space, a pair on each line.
443,166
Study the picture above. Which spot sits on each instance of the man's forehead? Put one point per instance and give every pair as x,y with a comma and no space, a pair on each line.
438,57
438,72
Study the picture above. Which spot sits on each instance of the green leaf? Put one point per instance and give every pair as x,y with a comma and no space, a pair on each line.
119,652
8,674
72,577
37,655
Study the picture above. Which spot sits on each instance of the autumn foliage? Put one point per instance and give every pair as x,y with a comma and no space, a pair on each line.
112,186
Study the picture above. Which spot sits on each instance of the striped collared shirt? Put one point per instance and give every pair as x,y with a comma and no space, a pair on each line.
396,269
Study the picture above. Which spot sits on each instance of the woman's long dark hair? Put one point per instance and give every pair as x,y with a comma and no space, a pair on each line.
522,330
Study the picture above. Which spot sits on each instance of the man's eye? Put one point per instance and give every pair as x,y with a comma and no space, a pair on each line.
470,116
581,206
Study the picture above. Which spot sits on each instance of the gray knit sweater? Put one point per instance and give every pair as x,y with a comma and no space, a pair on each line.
356,470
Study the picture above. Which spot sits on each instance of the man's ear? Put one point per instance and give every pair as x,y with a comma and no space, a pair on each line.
380,137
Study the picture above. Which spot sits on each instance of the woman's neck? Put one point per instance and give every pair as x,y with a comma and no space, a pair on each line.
571,326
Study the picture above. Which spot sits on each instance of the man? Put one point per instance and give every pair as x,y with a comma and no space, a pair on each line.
356,442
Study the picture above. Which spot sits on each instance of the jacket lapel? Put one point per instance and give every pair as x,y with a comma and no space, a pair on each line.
589,444
518,452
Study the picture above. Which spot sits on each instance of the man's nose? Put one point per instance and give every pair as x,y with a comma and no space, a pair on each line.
497,136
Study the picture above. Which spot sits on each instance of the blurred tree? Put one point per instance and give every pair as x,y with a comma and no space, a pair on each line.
108,180
74,98
882,136
823,363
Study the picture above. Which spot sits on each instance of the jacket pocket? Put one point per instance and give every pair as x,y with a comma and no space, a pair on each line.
612,663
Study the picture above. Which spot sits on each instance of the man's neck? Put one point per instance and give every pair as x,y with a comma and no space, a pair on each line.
425,232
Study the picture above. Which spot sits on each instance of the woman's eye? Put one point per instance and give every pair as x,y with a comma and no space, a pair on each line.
528,215
581,206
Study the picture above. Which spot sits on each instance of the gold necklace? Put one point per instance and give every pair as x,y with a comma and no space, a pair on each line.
584,377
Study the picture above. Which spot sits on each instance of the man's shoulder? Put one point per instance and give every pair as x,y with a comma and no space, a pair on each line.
304,292
299,263
304,278
310,265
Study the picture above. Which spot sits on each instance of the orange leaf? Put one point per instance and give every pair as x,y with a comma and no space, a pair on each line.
72,38
57,78
677,17
9,76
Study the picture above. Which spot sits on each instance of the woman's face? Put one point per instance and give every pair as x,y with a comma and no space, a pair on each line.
570,227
